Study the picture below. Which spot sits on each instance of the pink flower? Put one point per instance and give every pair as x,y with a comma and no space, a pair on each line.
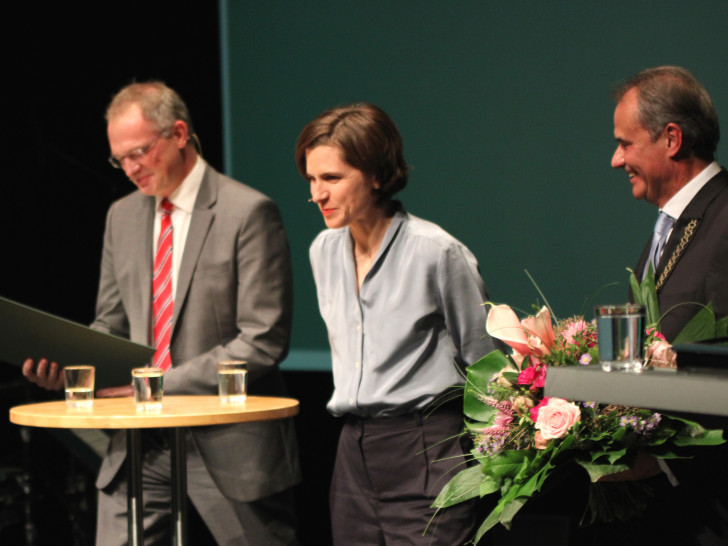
534,410
572,330
533,336
555,417
535,376
661,355
539,442
503,419
654,332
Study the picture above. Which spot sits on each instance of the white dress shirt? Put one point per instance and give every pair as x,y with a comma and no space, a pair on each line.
183,199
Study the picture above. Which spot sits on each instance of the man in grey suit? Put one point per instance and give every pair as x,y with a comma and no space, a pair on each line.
232,289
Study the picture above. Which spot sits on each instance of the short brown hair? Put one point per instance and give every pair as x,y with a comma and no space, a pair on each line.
368,139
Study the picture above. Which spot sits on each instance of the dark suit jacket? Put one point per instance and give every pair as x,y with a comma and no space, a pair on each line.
700,274
232,302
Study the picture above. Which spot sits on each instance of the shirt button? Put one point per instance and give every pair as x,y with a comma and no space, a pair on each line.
357,365
358,327
351,401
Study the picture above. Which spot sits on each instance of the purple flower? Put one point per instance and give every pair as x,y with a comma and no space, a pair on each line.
492,443
585,359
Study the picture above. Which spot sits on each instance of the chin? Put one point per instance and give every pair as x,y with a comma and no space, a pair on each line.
639,192
333,223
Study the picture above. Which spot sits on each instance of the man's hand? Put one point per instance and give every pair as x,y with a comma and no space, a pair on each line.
48,375
115,392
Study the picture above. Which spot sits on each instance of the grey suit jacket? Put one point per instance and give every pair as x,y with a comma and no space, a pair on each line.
700,273
233,301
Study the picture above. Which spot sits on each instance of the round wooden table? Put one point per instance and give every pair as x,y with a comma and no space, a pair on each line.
177,413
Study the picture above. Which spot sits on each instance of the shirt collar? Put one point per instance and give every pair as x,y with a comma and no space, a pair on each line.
185,195
677,203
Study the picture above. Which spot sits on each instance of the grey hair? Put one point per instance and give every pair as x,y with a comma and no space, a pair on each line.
671,94
160,105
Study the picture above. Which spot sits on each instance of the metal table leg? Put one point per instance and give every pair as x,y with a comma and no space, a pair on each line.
135,503
179,485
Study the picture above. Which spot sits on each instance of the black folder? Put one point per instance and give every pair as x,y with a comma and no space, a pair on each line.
29,333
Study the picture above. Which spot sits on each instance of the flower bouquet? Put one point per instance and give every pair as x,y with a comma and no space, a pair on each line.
522,437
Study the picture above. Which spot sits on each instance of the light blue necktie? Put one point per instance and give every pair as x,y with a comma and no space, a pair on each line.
662,228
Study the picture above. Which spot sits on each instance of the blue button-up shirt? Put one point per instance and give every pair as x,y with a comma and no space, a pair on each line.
405,338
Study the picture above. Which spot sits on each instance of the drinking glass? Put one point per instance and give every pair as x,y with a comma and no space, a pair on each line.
79,385
232,378
148,389
621,334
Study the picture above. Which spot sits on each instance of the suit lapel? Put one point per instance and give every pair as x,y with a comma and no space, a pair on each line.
202,216
688,224
142,237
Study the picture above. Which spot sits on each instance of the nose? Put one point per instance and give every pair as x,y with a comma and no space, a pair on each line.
618,158
129,165
318,193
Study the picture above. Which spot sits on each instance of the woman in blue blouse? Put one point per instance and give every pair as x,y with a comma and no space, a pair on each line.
402,302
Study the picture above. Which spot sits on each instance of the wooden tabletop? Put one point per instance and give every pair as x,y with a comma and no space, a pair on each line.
177,411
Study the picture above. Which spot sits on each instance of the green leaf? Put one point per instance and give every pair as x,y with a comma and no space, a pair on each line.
708,438
690,433
508,463
646,294
596,471
488,485
475,426
479,375
488,523
612,455
463,486
700,327
510,510
721,327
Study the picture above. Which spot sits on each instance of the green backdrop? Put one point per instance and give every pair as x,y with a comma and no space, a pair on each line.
506,116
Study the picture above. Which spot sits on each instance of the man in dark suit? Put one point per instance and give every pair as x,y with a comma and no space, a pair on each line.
231,300
667,131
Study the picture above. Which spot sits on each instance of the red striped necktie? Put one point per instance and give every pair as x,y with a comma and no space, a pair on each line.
162,298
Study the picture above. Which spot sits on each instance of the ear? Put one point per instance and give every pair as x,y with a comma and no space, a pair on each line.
674,137
180,133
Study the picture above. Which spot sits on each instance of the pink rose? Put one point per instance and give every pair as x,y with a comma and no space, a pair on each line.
661,355
539,442
556,417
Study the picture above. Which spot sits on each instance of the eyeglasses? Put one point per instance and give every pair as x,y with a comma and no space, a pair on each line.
134,155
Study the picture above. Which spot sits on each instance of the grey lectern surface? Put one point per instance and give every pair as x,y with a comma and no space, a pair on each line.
685,391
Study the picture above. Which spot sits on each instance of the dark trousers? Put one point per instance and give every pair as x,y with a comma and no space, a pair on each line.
388,472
